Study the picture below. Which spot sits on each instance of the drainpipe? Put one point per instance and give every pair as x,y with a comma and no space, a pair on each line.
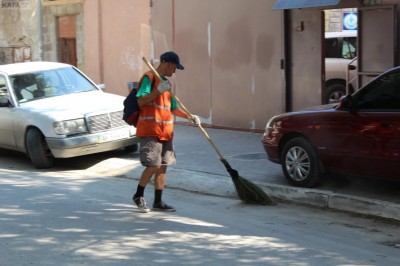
40,26
287,62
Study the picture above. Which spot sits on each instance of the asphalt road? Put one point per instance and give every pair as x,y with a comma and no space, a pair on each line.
199,169
82,217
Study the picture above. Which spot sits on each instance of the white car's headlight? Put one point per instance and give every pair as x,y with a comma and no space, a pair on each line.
69,127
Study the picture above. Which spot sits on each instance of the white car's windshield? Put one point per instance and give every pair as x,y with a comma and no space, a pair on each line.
49,83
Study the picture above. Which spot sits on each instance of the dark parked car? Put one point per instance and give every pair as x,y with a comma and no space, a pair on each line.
358,136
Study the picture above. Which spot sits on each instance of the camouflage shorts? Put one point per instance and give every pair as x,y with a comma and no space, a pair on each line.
154,152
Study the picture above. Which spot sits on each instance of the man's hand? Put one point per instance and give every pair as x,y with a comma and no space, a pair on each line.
164,86
196,120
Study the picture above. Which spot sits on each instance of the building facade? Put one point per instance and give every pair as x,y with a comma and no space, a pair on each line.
245,60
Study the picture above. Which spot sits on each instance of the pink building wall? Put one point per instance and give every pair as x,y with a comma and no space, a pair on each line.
232,49
232,53
117,35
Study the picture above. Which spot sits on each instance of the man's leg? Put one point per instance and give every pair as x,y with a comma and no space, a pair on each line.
147,174
161,175
159,184
150,157
138,197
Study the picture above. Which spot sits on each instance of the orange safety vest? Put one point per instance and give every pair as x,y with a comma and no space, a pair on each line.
155,118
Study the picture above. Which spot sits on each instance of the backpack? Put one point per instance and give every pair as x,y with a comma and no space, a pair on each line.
131,105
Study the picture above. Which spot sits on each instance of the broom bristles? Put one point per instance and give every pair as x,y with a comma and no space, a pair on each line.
250,192
247,191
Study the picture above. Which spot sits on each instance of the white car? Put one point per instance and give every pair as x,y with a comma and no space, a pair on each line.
52,110
340,51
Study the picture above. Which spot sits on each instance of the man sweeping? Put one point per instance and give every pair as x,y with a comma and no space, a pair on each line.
155,130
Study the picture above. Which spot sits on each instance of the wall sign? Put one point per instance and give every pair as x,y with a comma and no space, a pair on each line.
9,4
350,21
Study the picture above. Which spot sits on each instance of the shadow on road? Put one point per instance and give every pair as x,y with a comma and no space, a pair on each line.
16,160
373,188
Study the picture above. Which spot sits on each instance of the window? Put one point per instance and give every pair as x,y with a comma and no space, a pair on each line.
332,45
382,94
349,50
49,83
3,88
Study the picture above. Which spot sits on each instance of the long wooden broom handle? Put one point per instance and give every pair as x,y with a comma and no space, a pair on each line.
185,109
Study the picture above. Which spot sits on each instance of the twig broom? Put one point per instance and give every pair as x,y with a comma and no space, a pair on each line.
247,191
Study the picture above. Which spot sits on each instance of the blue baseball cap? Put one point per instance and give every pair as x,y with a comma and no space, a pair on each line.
173,58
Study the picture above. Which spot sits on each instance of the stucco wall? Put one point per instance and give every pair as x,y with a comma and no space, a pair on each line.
117,35
306,62
232,50
232,54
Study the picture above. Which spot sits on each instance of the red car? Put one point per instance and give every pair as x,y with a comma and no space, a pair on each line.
359,136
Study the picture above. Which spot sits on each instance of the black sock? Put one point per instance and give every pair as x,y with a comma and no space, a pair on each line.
157,195
139,191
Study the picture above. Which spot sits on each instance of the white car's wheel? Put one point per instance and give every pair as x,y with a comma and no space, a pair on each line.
335,92
38,150
132,148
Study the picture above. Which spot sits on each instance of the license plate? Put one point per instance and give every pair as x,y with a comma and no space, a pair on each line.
115,135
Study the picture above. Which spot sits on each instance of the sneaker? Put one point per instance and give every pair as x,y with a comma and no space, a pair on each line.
162,206
141,204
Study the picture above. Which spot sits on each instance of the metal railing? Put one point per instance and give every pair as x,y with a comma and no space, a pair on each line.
355,78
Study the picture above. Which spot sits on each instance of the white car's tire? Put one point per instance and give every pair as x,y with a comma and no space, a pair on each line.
132,148
334,92
38,150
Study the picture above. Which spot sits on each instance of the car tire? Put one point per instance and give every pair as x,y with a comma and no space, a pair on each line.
132,148
334,92
300,163
38,150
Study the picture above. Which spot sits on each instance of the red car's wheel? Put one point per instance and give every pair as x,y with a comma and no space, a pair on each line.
300,163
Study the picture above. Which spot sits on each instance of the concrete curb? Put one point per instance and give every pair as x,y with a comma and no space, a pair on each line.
336,201
210,184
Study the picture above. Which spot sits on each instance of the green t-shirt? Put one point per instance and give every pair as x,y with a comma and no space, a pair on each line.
145,88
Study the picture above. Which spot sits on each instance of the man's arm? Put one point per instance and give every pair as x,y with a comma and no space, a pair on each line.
145,99
146,94
180,113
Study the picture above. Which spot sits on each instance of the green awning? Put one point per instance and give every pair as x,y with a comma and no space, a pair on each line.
290,4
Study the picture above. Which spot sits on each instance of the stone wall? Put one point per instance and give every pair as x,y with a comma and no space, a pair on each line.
49,28
18,34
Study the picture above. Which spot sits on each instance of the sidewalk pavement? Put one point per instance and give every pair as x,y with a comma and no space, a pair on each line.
199,169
